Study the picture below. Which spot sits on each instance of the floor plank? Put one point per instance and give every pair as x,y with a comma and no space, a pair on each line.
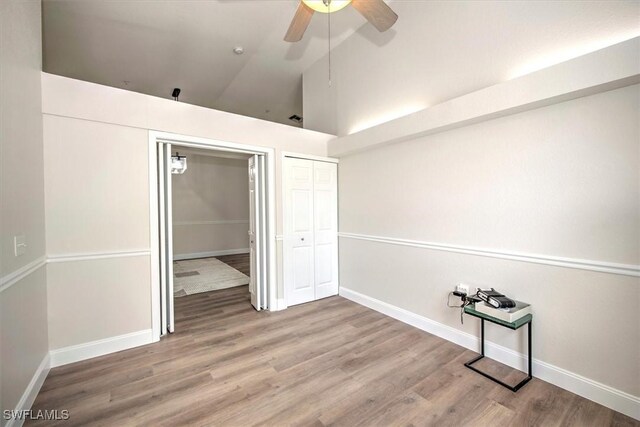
330,362
240,262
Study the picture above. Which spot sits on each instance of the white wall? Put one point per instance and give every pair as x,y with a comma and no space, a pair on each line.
98,205
439,50
210,207
23,307
561,181
502,202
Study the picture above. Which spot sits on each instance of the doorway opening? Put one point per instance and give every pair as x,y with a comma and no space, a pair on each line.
212,222
211,210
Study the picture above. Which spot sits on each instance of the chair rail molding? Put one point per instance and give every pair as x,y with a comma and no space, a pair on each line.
582,264
97,255
213,222
14,277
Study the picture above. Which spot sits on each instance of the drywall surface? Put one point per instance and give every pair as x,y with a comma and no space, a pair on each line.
440,50
210,206
23,308
97,187
97,200
98,204
97,299
559,181
21,134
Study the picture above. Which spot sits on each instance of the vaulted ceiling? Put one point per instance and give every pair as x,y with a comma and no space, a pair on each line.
436,51
153,46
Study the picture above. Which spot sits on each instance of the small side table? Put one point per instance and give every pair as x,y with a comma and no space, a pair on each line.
526,320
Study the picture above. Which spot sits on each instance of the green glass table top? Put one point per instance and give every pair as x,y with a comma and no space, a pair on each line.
470,309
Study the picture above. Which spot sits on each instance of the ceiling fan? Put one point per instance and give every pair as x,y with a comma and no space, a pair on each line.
376,12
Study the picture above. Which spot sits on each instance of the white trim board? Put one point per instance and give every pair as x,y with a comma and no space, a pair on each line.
209,254
76,353
582,264
310,157
215,222
14,277
97,255
32,390
589,389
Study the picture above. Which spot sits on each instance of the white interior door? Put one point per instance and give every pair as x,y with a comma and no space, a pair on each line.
325,224
166,238
298,242
256,226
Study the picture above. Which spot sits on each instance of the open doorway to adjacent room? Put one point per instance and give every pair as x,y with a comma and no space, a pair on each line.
210,215
213,222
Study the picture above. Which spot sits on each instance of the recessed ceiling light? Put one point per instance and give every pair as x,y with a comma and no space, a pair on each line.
238,50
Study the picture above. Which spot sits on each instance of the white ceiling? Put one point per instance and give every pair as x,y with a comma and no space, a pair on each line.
157,45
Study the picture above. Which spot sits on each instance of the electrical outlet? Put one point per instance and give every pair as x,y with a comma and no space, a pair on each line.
462,288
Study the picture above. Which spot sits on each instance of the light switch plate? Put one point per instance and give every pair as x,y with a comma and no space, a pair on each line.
20,244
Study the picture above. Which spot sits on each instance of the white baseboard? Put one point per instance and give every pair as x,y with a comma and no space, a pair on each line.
76,353
195,255
600,393
30,393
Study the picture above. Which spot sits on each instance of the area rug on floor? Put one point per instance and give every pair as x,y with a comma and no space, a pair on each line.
194,276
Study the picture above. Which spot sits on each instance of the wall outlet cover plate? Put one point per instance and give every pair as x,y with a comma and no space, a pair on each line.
463,288
20,244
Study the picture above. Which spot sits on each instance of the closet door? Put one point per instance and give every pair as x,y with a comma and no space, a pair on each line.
325,201
299,277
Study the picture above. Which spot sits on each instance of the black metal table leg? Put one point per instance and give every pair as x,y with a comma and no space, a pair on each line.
518,386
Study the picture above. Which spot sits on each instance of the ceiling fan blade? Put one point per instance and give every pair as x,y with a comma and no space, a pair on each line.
377,13
299,23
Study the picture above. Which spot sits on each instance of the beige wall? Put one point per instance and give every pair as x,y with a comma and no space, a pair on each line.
98,298
23,308
210,206
558,181
98,204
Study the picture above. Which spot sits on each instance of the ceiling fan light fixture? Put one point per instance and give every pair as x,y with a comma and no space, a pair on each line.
320,6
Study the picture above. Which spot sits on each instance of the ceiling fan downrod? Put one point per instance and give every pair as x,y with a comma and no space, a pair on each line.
328,4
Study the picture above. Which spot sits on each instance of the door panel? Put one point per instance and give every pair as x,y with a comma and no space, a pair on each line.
298,243
325,188
254,231
302,202
324,264
302,279
166,238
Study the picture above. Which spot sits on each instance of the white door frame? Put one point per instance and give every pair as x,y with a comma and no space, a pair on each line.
269,211
283,302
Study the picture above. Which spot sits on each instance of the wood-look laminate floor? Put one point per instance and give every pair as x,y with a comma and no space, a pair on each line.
240,262
330,362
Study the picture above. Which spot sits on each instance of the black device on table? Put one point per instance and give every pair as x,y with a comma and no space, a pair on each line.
495,298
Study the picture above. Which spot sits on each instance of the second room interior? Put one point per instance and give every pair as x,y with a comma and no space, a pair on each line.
210,222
